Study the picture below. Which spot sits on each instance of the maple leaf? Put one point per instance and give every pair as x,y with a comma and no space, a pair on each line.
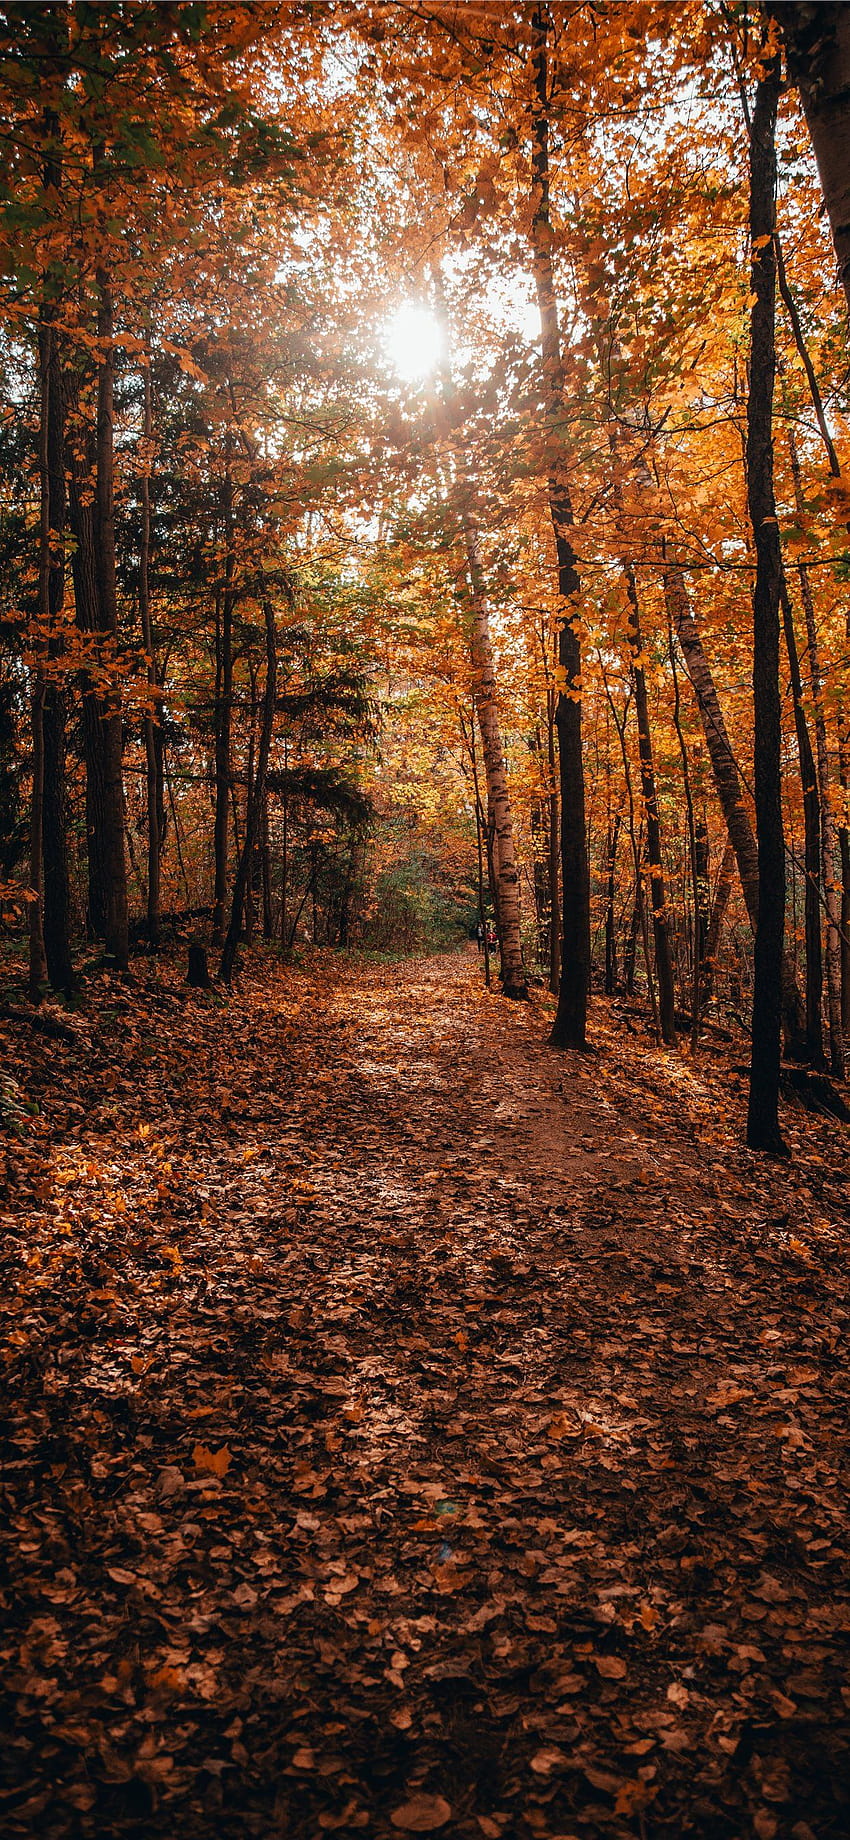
215,1462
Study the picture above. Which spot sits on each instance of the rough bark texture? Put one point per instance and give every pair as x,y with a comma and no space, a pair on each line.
817,44
570,1026
763,1111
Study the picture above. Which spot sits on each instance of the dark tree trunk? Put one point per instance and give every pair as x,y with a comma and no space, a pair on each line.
554,850
817,44
844,846
570,1026
763,1112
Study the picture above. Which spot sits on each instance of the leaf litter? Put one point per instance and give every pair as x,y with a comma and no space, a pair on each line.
410,1429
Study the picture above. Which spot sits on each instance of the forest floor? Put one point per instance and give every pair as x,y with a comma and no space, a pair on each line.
414,1429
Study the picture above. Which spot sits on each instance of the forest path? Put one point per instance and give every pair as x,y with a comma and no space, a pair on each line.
414,1429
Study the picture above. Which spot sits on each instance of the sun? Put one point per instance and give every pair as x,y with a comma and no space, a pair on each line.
414,342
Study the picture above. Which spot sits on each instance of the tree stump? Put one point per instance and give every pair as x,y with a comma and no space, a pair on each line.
198,973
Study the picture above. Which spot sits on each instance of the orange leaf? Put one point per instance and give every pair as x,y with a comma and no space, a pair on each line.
216,1462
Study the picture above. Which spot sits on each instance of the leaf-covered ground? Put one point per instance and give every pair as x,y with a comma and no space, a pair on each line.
411,1429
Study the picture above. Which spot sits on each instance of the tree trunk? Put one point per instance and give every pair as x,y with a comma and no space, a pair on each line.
811,848
763,1111
253,816
817,44
570,1026
844,845
554,850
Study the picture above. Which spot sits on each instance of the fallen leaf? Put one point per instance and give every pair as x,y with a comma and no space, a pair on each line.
611,1667
548,1759
216,1462
423,1814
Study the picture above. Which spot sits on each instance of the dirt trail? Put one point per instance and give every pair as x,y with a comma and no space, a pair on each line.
414,1430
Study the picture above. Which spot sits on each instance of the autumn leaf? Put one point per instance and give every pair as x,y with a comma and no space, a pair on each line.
423,1814
214,1462
611,1667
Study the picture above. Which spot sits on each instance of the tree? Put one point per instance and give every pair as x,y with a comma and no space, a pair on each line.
763,1131
817,45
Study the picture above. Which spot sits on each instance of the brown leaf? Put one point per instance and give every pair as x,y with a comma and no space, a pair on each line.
611,1667
216,1462
548,1759
423,1814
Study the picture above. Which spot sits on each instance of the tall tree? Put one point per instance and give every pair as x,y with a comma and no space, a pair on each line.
817,45
570,1026
763,1131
